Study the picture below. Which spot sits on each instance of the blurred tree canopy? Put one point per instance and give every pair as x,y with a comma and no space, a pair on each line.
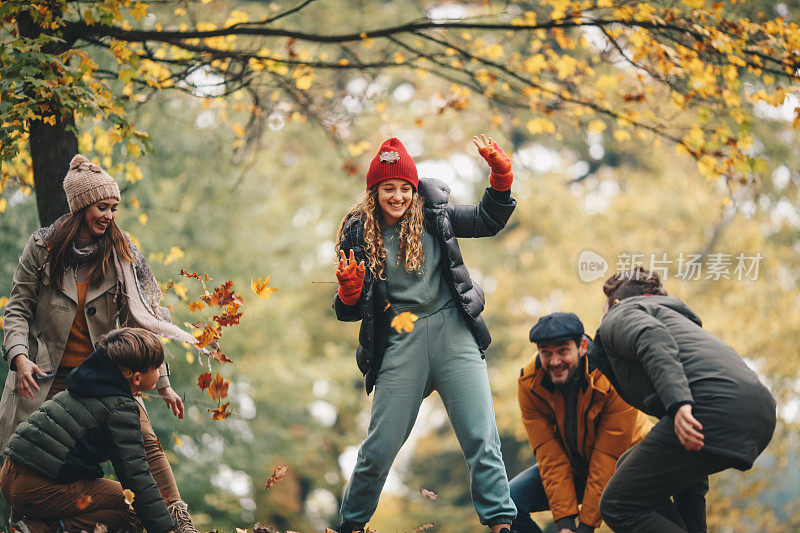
604,64
251,179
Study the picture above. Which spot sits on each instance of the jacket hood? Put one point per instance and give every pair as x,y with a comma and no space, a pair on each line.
665,301
434,192
98,376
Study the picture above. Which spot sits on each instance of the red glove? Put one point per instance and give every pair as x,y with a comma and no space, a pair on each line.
351,278
501,176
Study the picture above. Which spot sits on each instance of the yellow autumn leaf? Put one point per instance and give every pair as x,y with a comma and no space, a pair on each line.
304,82
404,322
174,253
622,135
3,301
540,125
596,126
237,17
129,496
494,51
3,205
697,4
196,306
261,288
177,440
143,219
139,10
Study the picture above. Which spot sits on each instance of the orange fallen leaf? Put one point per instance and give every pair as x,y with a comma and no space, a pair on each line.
218,388
277,475
83,502
196,306
194,275
388,305
128,495
261,288
423,527
221,412
220,357
207,335
429,494
404,322
204,380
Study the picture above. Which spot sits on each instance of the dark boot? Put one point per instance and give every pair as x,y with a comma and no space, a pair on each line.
349,527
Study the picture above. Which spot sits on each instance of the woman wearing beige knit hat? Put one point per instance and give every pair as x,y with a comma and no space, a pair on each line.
76,280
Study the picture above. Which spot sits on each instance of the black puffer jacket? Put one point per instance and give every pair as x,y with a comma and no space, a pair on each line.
446,222
94,420
662,358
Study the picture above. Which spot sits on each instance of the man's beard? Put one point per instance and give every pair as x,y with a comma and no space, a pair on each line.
570,375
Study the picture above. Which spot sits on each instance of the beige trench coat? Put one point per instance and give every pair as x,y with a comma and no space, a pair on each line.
38,319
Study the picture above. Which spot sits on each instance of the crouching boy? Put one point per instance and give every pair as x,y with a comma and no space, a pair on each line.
52,471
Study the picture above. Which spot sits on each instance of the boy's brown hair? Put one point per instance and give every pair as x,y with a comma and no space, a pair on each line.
632,283
134,348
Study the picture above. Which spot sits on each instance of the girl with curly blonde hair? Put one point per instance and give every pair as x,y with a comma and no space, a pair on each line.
399,257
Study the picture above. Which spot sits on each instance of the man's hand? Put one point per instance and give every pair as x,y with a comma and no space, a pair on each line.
172,400
687,428
25,371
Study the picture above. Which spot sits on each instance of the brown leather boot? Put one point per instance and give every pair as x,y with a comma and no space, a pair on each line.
179,512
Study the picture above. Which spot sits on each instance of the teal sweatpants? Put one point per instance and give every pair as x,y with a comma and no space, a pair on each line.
439,354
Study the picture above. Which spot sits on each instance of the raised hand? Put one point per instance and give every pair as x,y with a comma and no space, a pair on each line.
501,175
351,278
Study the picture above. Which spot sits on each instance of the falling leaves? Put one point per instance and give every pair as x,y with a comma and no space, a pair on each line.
404,322
196,306
277,475
218,388
207,335
261,288
429,494
221,412
423,527
204,380
220,357
83,502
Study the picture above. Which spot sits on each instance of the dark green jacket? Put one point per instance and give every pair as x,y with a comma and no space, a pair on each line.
662,358
96,419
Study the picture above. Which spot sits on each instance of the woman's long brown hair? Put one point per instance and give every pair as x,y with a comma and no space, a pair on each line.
410,252
61,239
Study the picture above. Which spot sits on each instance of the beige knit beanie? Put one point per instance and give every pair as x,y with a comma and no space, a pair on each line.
87,183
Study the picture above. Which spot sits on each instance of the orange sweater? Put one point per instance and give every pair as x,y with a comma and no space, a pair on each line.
79,344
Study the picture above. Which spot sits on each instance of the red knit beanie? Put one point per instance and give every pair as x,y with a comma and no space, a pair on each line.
392,161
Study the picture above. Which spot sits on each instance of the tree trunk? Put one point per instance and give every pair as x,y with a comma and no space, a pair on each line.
51,147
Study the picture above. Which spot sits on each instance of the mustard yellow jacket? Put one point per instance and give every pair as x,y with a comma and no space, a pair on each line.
607,426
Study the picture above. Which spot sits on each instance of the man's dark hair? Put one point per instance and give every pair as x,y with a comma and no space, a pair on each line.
134,348
632,283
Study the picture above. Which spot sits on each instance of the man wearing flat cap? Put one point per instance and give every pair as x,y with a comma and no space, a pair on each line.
577,424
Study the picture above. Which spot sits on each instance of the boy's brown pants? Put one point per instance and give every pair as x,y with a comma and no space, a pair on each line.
81,505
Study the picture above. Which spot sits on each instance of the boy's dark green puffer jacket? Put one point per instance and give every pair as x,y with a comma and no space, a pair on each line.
96,419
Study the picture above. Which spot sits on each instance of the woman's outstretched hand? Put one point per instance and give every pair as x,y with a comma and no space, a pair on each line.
172,400
25,375
501,176
351,278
